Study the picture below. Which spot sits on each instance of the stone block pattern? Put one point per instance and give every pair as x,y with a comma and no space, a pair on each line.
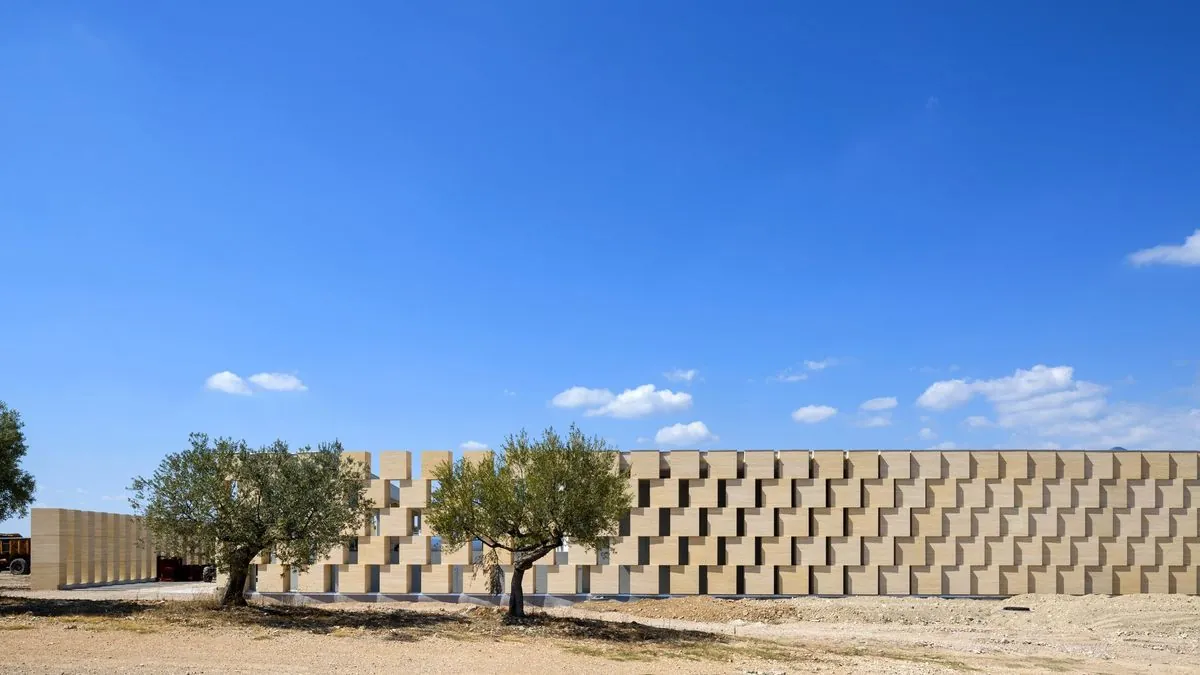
824,522
88,548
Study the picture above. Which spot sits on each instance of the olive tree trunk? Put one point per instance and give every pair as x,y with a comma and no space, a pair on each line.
516,596
239,572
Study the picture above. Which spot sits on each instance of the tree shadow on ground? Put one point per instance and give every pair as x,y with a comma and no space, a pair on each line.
39,607
320,620
610,631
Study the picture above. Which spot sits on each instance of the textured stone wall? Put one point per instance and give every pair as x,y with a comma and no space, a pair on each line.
798,522
88,548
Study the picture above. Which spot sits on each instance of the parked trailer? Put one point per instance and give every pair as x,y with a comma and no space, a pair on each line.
14,553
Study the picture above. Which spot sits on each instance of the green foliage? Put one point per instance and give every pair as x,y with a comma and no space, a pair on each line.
532,496
231,503
16,485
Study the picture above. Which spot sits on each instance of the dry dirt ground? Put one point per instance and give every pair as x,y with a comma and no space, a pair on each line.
60,632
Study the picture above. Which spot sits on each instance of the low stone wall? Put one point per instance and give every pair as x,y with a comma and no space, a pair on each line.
89,548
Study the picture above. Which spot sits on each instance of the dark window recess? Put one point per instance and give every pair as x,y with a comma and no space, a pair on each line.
759,499
758,551
643,550
795,496
741,581
643,493
683,550
664,522
704,580
741,522
373,583
664,580
704,522
777,588
683,493
778,468
721,493
703,468
414,578
741,465
721,551
664,466
625,525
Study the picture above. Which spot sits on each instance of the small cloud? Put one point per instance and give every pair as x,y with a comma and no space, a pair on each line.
581,397
881,403
945,445
811,414
927,434
684,434
876,421
637,402
1185,254
977,422
509,392
111,498
474,445
641,440
80,491
277,382
821,365
932,103
680,375
227,382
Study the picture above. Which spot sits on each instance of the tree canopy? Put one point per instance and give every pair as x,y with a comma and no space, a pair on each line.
232,503
16,485
530,498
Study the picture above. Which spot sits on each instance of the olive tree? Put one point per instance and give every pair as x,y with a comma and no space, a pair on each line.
16,485
232,503
531,497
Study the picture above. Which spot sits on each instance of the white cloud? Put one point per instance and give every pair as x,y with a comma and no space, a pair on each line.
1021,384
811,414
977,422
637,402
509,392
1187,253
876,421
643,439
1047,405
820,365
881,403
927,434
581,397
684,434
474,445
277,382
642,401
680,375
945,394
945,445
227,382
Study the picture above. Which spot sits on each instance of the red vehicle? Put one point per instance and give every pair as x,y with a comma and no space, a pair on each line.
14,553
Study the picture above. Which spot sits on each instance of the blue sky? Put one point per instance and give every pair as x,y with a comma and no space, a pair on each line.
425,224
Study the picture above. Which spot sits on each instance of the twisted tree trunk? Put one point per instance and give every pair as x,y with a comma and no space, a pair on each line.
239,572
516,596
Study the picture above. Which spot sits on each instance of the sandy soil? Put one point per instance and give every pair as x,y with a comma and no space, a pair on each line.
59,632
